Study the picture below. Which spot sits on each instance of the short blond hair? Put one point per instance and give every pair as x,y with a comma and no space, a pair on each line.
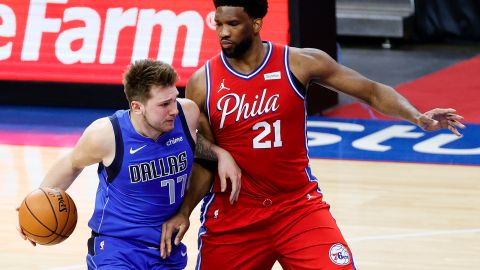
143,74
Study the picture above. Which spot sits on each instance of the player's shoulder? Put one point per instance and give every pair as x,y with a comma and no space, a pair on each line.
198,77
99,131
196,86
100,125
308,63
307,54
191,111
188,105
98,139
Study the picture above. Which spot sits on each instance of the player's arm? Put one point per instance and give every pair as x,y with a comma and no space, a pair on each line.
206,149
312,65
97,144
201,178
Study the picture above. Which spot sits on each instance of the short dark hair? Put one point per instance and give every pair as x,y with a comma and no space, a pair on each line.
254,8
143,74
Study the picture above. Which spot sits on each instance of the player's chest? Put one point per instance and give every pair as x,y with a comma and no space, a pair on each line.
250,100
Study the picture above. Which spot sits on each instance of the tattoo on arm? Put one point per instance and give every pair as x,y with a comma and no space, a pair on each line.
203,148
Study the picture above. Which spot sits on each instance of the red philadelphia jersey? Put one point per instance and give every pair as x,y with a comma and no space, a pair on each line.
260,118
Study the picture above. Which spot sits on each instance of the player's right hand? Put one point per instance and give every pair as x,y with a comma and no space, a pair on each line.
178,224
22,234
441,118
228,169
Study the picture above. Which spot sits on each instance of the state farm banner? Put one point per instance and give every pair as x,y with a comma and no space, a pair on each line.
94,41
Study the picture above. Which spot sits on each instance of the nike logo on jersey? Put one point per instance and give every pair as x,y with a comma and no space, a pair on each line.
272,76
309,197
183,253
133,151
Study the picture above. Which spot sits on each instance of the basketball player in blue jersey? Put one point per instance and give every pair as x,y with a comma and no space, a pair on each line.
145,156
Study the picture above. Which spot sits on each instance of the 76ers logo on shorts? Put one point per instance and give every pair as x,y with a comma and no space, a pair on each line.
339,254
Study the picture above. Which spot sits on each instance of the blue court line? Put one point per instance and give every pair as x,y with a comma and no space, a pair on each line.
48,119
328,137
379,140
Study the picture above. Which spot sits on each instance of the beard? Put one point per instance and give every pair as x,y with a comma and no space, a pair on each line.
238,50
154,126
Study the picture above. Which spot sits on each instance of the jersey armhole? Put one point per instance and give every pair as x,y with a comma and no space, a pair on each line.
299,85
185,126
295,83
114,168
208,86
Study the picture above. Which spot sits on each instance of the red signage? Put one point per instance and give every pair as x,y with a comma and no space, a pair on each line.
94,41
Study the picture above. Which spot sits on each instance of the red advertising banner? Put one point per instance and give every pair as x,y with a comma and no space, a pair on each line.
94,41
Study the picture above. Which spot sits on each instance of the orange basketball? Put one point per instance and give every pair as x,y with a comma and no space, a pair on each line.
47,216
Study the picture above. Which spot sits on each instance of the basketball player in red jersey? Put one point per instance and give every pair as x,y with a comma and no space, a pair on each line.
252,100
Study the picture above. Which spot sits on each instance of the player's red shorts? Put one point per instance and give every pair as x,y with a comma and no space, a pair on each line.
300,233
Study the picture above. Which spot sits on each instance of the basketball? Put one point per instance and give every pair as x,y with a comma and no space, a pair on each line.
47,216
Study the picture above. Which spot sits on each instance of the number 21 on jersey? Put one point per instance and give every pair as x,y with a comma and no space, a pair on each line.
266,128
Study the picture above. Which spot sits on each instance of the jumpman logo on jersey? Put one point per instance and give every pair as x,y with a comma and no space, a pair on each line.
222,86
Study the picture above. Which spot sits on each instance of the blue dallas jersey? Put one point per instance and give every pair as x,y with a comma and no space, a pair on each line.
145,184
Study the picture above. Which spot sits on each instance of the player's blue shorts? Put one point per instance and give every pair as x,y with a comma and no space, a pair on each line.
106,252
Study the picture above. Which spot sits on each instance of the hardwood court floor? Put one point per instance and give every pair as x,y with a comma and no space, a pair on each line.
395,216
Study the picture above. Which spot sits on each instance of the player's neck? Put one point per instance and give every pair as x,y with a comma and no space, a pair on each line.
252,58
143,128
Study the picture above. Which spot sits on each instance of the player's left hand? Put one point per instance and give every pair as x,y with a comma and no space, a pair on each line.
441,118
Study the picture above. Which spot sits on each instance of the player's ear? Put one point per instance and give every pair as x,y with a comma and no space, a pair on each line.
136,106
257,25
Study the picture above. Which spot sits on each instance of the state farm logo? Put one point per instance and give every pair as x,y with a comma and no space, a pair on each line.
87,34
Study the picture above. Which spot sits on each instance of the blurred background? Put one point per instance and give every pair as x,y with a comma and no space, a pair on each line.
70,54
73,52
